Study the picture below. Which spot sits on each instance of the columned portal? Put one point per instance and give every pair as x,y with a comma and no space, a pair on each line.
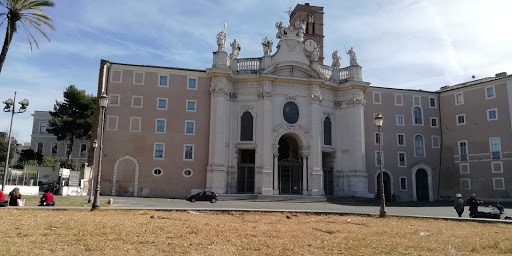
290,166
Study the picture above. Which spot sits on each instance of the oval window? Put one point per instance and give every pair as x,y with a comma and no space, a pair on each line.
187,172
291,112
157,171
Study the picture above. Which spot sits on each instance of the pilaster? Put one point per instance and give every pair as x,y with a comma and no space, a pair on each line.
216,178
316,184
265,145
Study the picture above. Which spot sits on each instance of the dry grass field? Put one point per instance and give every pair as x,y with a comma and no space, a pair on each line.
149,232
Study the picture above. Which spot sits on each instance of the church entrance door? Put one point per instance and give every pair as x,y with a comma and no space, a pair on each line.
290,166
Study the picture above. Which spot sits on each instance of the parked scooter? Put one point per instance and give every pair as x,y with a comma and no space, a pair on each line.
497,212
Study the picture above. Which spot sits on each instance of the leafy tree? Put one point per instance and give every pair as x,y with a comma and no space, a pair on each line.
3,150
72,118
26,14
30,154
49,161
68,164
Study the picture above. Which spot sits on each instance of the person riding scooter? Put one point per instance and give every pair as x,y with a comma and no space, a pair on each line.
47,199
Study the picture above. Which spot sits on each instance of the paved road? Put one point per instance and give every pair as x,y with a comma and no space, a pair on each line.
438,210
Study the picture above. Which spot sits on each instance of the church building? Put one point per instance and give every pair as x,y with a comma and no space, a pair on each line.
282,123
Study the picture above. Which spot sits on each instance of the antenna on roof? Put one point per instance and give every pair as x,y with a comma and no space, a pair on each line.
289,12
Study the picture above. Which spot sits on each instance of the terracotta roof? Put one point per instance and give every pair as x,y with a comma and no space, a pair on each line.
470,83
153,66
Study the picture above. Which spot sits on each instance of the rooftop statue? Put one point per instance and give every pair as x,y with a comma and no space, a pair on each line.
280,29
221,39
316,53
335,60
267,46
235,46
352,55
291,32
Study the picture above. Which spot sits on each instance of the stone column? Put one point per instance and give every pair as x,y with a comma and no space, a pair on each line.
304,155
216,172
316,184
276,169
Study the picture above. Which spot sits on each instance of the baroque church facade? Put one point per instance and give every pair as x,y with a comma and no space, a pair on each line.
283,123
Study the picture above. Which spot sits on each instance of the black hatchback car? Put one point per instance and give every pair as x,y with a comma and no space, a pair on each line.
203,196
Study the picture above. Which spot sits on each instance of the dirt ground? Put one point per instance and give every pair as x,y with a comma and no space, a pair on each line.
149,232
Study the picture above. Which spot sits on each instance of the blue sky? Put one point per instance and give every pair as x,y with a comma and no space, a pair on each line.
399,43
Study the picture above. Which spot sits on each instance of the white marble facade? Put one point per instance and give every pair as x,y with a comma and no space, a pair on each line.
262,86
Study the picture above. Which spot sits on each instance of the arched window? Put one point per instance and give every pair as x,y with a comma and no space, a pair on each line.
327,131
419,146
417,116
246,126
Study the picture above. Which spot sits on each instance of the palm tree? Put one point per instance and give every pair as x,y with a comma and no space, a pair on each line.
26,14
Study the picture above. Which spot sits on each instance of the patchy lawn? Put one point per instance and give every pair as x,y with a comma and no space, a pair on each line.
149,232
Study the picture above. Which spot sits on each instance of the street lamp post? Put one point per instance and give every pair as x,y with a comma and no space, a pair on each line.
91,187
103,106
378,122
10,106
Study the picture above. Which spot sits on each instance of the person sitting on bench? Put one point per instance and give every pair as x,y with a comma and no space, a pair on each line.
47,199
3,202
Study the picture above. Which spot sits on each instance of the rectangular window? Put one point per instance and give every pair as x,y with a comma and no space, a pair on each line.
137,101
160,125
191,105
55,148
138,77
161,103
39,147
400,139
433,122
498,183
42,127
465,183
68,148
399,100
116,75
190,127
399,120
135,123
464,168
192,83
495,148
377,138
459,99
432,102
112,123
403,183
497,167
376,98
489,92
417,101
163,81
461,119
401,159
188,153
492,114
159,151
436,141
83,150
113,99
378,158
463,150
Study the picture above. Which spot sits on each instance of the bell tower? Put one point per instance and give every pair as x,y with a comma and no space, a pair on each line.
314,35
